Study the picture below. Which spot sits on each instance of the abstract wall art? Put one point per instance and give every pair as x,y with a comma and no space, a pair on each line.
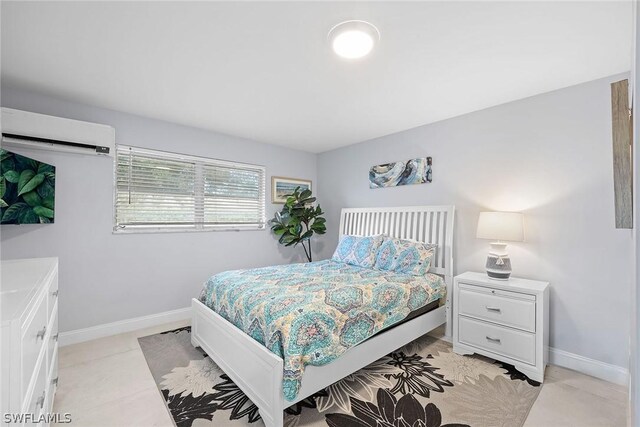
414,171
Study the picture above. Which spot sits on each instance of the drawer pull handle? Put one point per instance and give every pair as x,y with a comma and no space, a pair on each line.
54,293
55,337
493,339
40,401
42,333
493,309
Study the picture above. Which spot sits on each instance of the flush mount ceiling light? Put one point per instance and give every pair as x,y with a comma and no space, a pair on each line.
353,39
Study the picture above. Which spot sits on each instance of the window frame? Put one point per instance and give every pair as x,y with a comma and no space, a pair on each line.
190,228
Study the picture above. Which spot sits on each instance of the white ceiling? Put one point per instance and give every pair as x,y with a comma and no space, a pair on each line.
264,70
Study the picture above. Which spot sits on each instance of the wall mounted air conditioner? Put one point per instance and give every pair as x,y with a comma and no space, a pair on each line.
25,129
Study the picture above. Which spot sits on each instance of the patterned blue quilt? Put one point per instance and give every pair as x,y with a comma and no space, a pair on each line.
310,314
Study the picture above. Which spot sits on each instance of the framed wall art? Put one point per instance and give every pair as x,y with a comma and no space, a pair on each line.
282,186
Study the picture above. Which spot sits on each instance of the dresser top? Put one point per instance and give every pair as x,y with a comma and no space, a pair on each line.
513,284
20,280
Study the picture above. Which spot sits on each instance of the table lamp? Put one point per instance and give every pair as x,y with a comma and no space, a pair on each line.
500,226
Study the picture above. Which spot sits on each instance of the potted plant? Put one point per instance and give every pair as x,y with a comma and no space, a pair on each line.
298,221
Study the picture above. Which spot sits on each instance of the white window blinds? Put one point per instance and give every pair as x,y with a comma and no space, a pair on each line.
158,190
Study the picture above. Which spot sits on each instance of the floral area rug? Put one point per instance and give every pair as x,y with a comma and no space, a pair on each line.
423,384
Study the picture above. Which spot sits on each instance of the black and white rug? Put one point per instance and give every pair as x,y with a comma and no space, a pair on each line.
423,384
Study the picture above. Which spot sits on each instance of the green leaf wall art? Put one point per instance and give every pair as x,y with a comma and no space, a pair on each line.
27,190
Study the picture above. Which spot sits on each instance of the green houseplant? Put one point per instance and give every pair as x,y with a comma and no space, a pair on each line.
298,221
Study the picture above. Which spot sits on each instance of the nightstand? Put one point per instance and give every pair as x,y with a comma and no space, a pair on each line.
506,320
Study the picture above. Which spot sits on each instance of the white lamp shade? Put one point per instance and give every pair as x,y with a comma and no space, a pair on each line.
501,226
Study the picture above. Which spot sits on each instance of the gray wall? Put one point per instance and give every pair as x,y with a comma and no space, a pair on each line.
106,277
548,156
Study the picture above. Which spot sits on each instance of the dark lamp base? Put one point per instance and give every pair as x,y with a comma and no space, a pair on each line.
498,267
498,276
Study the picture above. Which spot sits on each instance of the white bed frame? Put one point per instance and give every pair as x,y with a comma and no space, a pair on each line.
258,372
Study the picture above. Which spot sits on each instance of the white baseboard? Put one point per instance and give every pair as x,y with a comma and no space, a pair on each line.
595,368
122,326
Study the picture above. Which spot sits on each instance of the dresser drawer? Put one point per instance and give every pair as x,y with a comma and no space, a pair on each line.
33,336
503,307
518,345
52,381
52,343
35,402
52,296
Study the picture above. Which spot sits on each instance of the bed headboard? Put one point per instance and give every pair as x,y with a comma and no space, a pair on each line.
429,224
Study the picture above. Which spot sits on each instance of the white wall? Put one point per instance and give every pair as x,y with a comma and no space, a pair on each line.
106,277
549,156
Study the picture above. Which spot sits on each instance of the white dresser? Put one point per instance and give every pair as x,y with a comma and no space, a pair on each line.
507,320
29,303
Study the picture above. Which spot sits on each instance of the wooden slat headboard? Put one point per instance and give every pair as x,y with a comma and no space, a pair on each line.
429,224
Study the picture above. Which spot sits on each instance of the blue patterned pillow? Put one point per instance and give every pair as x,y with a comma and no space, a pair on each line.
357,250
405,256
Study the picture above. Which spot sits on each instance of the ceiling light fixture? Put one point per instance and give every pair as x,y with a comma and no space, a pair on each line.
353,39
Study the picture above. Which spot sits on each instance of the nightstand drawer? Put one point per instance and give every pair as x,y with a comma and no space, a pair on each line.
503,341
506,308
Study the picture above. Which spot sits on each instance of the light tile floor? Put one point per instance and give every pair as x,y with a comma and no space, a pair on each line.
106,382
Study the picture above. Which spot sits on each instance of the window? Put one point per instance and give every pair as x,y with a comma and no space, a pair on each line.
157,190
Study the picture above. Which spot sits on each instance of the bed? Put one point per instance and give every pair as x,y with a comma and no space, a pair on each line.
274,379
